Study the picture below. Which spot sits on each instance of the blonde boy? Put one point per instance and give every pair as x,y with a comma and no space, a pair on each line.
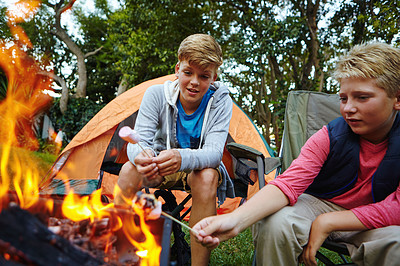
344,184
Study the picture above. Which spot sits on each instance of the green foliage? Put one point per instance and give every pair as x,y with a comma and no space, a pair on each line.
49,147
44,160
79,112
365,21
333,256
146,35
4,30
268,44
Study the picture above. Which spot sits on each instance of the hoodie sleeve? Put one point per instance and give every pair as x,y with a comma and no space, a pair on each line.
147,120
216,133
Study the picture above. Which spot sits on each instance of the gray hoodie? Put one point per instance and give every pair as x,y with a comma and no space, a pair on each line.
156,124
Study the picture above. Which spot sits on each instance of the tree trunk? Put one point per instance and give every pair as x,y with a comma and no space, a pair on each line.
64,90
80,56
274,98
123,86
64,93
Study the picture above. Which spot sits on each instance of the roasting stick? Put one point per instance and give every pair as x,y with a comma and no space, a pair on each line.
163,214
179,222
130,135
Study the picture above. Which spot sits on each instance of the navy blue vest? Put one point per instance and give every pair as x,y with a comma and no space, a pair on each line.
339,172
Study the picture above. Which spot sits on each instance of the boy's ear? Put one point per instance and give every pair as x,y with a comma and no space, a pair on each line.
215,77
176,69
397,103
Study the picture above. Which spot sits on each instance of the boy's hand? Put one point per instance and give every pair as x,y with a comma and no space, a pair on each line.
319,232
215,229
325,224
168,162
145,165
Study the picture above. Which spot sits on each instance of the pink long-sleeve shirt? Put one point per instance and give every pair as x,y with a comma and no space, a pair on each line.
295,180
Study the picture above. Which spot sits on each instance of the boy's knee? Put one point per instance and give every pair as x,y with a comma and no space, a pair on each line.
127,170
128,178
204,178
204,182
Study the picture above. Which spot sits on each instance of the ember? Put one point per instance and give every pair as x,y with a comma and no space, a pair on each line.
80,227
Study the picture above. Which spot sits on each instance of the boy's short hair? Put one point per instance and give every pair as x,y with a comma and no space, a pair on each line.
200,49
379,61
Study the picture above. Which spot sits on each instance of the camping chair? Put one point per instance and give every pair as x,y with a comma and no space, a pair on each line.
306,112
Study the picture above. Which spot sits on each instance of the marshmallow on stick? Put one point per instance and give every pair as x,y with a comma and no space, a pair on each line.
130,135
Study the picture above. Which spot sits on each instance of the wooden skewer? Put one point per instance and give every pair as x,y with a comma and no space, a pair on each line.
162,213
179,222
148,155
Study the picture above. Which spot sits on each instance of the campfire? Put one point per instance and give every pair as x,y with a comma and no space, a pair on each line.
75,230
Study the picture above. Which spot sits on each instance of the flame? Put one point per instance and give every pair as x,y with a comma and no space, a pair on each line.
148,250
78,208
142,253
28,79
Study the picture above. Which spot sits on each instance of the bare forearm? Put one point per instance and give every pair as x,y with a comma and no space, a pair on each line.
340,221
264,203
325,224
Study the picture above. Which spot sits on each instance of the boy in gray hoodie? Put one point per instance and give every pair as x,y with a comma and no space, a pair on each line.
184,126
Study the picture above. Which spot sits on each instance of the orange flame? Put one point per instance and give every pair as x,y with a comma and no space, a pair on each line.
27,80
148,250
78,208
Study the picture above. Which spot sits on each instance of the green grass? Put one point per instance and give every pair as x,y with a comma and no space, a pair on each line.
19,160
236,251
46,160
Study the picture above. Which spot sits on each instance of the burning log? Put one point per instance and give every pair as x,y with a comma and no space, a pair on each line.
25,239
28,236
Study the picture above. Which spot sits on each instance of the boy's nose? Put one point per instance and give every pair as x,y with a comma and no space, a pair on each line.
349,107
195,81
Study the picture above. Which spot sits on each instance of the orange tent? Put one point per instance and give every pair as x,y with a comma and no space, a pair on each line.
98,143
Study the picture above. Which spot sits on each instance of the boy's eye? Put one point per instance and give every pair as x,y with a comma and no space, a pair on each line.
187,72
205,77
342,99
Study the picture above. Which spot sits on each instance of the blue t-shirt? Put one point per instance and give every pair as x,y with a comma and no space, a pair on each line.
188,127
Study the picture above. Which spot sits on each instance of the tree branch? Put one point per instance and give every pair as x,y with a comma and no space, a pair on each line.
93,52
67,6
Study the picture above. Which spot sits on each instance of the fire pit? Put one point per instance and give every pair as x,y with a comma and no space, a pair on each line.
36,237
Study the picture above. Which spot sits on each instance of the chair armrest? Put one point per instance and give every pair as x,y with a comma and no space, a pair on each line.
335,246
271,163
264,165
243,151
